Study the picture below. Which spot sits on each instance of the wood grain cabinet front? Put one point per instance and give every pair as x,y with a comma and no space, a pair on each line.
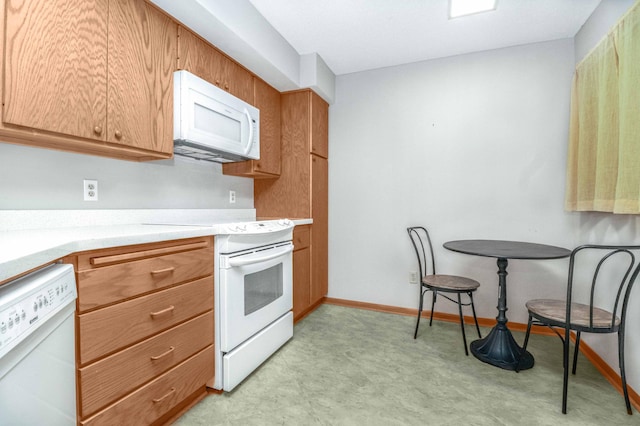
94,76
301,271
112,282
267,100
202,59
112,328
153,401
302,189
145,330
117,375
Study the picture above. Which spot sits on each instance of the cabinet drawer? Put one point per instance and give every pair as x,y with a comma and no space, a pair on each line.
109,284
106,330
113,377
159,396
301,237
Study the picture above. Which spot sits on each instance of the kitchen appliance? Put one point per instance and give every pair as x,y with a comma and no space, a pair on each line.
37,348
212,125
255,295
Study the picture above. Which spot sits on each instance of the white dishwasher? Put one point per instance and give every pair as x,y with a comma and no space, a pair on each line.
37,348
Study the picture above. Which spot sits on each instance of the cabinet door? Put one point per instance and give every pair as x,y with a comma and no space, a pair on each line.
142,52
267,100
289,196
202,59
320,228
319,126
55,69
301,281
301,270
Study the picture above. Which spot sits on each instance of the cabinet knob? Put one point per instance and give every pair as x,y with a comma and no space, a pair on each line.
118,134
226,86
217,82
97,130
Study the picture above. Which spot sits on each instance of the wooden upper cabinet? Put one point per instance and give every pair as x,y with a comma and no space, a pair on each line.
267,100
304,122
94,77
142,52
202,59
320,126
55,66
289,195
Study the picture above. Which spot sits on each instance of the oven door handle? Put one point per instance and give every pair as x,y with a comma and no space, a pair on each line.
249,260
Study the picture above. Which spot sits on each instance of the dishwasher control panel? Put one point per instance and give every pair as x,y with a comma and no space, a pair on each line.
28,301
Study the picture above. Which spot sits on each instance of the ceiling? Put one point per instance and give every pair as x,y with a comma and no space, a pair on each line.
359,35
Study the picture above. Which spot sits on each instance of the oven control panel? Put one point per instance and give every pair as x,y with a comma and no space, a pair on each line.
261,227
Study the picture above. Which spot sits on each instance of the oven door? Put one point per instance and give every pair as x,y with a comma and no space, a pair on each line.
255,290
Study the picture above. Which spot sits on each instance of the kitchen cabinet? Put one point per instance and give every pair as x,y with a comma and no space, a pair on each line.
320,229
94,77
301,271
302,188
267,100
202,59
320,129
144,330
141,61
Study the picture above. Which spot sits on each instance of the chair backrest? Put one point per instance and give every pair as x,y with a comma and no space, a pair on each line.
618,284
424,250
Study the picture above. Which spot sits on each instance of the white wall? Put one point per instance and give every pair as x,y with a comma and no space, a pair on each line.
471,146
42,179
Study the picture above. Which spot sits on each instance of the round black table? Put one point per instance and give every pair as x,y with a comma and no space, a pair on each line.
499,347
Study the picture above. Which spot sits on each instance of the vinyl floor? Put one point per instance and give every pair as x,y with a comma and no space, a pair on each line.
348,366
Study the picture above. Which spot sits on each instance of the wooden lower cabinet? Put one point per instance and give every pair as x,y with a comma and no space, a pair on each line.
144,330
117,375
156,398
301,271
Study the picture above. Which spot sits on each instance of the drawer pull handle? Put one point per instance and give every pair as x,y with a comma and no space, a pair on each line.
130,257
163,271
162,398
164,311
157,357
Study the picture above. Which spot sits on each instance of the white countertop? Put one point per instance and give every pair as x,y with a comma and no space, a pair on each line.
27,246
24,250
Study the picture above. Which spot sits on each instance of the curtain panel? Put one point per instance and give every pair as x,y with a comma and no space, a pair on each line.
603,166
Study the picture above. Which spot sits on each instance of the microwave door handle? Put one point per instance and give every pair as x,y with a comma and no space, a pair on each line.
250,141
239,261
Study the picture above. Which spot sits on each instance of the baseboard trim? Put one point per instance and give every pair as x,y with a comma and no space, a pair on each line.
609,373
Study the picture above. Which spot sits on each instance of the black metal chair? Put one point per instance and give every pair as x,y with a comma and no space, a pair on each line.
436,283
612,274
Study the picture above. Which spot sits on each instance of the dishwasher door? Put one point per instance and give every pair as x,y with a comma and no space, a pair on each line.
37,349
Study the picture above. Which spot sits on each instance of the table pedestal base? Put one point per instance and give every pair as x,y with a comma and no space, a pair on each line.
499,348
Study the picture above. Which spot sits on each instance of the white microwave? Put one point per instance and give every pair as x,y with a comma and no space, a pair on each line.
211,124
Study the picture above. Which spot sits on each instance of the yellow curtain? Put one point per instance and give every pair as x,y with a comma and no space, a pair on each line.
603,168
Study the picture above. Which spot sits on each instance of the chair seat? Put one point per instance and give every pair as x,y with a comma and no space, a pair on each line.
556,310
450,282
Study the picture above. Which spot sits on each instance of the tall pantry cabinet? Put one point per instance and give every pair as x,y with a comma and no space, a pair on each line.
302,189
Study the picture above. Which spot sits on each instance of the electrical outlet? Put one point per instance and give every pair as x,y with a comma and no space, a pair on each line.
90,190
413,277
232,197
